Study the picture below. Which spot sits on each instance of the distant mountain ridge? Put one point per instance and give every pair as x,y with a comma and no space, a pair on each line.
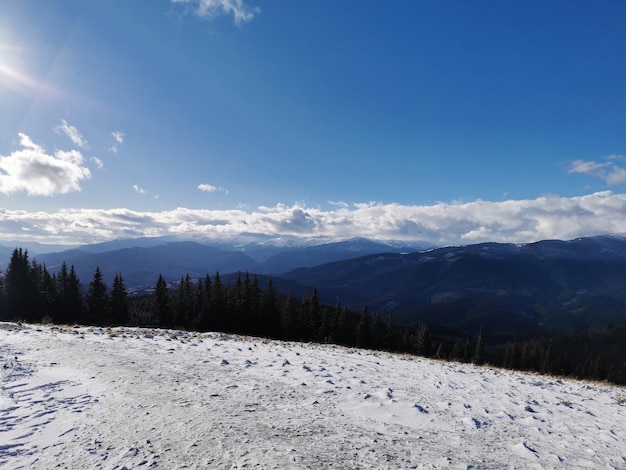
544,286
140,261
547,286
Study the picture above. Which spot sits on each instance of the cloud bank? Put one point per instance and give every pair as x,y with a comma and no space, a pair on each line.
549,217
32,170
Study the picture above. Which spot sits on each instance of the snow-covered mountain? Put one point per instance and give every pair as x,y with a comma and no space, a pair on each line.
123,398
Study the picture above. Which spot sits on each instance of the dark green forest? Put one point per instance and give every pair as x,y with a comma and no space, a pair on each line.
30,293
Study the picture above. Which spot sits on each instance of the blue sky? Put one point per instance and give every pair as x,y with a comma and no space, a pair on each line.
441,121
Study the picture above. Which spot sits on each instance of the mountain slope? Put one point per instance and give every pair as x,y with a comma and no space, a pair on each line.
508,288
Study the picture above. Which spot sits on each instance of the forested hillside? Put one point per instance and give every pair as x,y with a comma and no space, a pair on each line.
32,294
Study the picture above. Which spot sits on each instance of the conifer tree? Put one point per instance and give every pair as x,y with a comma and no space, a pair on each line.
119,301
97,299
218,302
184,302
377,332
423,340
253,296
346,326
49,294
21,290
389,340
479,352
363,338
75,297
202,320
269,311
163,310
290,319
315,313
69,296
305,326
467,351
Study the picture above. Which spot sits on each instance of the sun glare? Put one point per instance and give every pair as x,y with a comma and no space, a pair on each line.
12,75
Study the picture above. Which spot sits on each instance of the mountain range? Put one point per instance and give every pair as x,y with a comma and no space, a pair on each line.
547,286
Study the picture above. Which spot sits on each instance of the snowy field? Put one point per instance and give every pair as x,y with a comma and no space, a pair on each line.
122,398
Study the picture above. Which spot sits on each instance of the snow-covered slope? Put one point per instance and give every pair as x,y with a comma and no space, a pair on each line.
82,398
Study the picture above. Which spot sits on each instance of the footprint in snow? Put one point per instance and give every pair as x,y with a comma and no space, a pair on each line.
420,408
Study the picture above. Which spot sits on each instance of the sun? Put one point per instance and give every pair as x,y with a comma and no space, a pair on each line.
13,76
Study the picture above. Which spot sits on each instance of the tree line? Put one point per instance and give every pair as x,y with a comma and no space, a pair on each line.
29,292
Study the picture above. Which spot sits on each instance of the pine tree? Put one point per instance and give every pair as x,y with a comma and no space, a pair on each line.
75,297
479,352
49,295
423,340
21,291
98,300
440,353
290,319
346,326
389,340
203,320
163,310
270,312
305,325
119,301
218,302
467,351
184,302
363,338
377,332
69,302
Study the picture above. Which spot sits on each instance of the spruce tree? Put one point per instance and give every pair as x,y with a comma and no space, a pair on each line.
119,301
363,338
290,319
75,297
389,339
69,301
218,302
479,352
184,302
21,290
269,312
98,300
202,320
162,309
423,340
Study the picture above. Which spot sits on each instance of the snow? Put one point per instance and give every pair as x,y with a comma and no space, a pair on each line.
91,398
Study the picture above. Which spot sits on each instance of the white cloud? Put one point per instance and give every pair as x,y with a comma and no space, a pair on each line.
514,221
209,188
99,163
38,173
611,173
70,131
139,189
118,137
242,13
